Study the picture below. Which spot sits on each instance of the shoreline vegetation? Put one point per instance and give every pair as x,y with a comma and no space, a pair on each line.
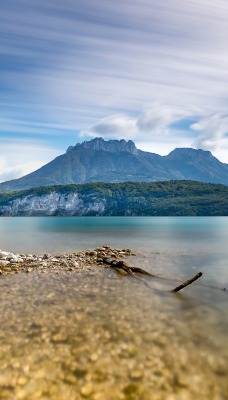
165,198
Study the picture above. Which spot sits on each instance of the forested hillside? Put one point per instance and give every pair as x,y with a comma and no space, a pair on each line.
177,198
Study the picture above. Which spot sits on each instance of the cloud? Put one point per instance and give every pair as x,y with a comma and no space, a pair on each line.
161,128
20,157
154,121
97,57
28,127
95,64
115,126
213,131
8,172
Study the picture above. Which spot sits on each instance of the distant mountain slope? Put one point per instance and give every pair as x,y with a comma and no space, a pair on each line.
170,198
120,161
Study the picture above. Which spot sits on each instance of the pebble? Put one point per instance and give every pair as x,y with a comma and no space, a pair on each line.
40,373
99,396
71,379
94,357
4,253
45,256
26,368
22,380
75,261
18,260
4,262
136,374
21,394
87,390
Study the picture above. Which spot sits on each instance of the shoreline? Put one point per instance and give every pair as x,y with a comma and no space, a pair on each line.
14,263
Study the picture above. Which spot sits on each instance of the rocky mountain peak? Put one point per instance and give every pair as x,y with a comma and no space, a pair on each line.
189,153
111,146
99,160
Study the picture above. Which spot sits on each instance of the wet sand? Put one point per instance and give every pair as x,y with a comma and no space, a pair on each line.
73,329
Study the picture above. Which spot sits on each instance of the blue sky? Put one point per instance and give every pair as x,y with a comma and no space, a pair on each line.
151,71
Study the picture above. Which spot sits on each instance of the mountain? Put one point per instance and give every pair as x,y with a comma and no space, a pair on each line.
98,160
169,198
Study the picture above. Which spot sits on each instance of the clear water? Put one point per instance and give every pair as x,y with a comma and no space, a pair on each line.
38,234
101,336
185,244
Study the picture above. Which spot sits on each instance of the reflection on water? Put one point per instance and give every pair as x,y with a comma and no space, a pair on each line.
98,335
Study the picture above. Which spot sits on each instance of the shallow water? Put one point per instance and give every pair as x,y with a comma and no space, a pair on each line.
99,335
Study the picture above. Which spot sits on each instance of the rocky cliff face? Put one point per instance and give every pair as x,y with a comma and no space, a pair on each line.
110,146
53,204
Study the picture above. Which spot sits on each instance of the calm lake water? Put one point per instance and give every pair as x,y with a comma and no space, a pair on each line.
185,243
100,336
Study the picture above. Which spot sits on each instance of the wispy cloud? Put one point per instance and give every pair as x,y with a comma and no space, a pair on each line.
118,56
162,128
156,120
213,131
19,157
95,64
8,172
116,126
153,121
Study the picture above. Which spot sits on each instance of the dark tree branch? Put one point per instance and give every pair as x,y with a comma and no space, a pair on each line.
188,282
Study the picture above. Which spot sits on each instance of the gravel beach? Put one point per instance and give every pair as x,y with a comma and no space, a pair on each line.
11,263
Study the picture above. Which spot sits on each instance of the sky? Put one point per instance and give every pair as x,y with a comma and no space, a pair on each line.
152,71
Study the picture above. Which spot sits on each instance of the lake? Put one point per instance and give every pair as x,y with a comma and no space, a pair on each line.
101,336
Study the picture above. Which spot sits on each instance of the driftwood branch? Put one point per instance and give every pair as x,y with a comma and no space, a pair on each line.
122,266
188,282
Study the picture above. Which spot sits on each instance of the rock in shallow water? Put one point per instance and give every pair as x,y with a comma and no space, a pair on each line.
87,390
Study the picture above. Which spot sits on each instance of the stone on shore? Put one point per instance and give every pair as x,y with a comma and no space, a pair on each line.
11,263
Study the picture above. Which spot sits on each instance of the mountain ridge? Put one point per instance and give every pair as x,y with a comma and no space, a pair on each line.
111,146
113,161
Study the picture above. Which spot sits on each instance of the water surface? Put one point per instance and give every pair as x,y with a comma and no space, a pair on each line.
185,244
101,336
